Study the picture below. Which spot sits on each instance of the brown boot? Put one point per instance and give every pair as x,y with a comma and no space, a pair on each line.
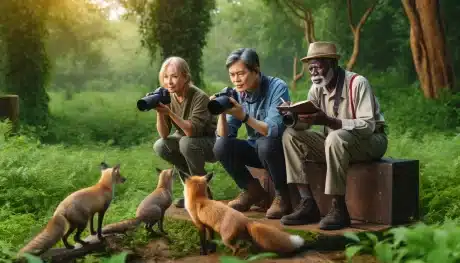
253,195
306,212
337,218
281,206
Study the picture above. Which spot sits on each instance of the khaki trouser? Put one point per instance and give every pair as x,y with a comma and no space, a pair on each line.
338,149
188,154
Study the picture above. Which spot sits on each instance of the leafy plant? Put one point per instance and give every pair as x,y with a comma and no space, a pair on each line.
420,243
233,259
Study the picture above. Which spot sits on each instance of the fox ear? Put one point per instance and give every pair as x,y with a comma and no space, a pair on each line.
158,170
209,176
104,166
116,169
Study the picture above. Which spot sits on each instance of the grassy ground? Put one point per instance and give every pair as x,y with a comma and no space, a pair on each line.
95,126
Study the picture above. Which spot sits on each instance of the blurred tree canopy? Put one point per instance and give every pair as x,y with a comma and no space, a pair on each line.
177,27
26,66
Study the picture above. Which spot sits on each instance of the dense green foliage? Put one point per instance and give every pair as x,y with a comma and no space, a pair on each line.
26,62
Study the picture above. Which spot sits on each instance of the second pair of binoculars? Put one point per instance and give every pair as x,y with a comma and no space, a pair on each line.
222,101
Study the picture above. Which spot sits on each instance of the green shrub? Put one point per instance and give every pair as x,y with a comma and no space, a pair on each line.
418,244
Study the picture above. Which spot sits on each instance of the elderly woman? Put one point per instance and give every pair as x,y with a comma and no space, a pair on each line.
191,145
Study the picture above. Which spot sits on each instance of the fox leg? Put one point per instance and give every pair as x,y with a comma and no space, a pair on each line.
203,243
77,236
211,245
100,218
66,235
160,223
149,227
91,225
228,239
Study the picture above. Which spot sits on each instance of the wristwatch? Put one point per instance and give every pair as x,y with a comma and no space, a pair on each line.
246,118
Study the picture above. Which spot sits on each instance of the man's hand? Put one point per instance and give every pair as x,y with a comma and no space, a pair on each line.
237,110
285,103
163,109
319,118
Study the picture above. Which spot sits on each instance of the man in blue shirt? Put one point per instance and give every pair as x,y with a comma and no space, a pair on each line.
258,96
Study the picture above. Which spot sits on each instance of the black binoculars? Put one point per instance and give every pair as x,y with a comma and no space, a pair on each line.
222,102
152,99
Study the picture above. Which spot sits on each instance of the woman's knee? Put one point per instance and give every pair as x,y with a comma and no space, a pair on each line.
160,147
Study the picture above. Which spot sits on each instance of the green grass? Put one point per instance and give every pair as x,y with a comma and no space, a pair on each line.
96,126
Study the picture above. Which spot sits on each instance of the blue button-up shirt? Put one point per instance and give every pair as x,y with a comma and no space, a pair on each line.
261,105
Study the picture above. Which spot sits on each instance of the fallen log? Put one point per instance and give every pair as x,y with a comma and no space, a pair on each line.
70,255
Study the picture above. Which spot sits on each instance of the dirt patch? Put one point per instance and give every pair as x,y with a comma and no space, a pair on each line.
157,252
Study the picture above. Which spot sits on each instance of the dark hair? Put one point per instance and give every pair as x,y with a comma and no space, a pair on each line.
247,55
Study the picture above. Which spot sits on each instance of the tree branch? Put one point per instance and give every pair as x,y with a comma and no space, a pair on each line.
291,6
350,16
366,15
296,76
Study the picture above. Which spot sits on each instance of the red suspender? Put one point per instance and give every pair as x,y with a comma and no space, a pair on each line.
350,91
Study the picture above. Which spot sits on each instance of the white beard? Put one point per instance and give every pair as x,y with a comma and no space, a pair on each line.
324,80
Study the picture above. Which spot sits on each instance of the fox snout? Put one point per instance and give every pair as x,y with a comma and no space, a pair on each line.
122,179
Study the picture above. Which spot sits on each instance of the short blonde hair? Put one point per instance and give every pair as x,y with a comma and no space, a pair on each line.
181,65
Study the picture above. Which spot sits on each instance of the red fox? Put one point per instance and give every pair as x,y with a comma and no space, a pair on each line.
75,211
151,210
209,216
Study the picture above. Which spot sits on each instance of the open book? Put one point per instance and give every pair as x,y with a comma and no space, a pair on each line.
302,107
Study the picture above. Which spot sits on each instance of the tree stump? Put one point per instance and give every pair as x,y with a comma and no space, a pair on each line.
9,109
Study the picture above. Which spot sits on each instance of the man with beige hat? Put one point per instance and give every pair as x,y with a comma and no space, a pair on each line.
352,132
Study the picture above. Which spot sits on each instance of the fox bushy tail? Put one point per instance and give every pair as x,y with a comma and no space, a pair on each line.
122,226
48,237
272,239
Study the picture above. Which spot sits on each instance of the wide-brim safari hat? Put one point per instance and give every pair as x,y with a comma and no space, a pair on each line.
321,49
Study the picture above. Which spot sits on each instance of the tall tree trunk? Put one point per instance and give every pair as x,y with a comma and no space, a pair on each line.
356,31
428,45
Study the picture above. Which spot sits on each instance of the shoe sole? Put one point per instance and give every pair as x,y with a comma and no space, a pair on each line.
298,222
273,216
333,227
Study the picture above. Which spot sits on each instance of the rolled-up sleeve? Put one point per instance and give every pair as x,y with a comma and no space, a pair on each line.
363,99
274,119
233,125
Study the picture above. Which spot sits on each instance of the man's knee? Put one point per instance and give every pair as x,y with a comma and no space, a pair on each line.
288,135
222,147
338,139
267,146
292,136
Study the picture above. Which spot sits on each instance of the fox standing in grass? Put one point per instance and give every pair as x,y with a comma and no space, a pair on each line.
151,210
209,216
76,210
